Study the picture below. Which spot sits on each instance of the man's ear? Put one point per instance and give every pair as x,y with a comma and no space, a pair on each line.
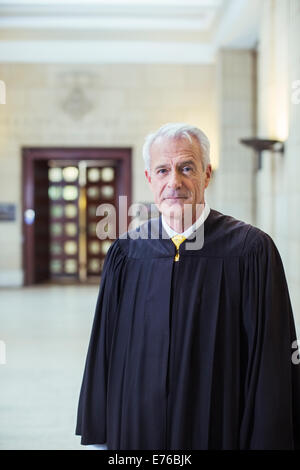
208,172
147,174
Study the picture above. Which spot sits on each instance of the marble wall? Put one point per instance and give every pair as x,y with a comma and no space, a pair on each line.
92,105
236,91
278,188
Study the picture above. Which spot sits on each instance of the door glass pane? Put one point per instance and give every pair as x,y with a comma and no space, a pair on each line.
70,210
57,210
105,246
70,247
92,210
56,265
94,175
55,175
71,266
70,193
70,173
56,248
55,192
94,247
71,229
92,229
108,174
94,265
93,192
56,229
107,191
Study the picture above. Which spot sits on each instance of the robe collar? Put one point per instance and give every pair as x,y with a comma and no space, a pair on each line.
190,231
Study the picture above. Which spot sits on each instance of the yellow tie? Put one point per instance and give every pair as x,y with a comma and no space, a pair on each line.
177,240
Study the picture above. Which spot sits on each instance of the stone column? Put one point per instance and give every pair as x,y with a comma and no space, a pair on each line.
234,179
278,188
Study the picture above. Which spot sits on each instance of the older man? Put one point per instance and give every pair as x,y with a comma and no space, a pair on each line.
191,345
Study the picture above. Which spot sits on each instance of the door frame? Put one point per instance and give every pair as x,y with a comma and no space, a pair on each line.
121,158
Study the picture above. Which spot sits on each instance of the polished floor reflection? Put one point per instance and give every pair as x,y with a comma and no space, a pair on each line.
46,331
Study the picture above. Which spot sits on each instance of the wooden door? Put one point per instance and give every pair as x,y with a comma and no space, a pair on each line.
41,234
100,188
59,219
64,220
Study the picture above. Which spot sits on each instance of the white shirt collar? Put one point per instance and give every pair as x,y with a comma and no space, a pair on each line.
193,227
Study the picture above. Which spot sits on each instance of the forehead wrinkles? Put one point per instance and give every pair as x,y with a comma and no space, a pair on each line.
171,148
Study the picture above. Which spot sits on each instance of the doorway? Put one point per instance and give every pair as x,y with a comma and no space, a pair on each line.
62,189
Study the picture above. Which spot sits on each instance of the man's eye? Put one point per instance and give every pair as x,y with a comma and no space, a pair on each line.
186,169
162,171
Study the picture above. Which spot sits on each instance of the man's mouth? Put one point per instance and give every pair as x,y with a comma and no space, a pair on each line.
176,197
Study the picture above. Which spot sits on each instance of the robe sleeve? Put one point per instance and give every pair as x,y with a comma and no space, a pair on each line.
91,413
271,390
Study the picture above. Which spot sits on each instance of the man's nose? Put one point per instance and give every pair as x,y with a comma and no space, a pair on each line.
174,181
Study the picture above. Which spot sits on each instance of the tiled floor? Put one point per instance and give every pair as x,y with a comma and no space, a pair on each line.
46,331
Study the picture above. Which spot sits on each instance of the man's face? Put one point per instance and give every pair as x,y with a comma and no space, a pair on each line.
176,175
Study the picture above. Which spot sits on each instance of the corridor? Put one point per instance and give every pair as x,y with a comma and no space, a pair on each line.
45,330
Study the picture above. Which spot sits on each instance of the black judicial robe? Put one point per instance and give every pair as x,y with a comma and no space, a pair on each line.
194,354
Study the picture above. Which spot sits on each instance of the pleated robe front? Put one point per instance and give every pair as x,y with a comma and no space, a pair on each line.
194,354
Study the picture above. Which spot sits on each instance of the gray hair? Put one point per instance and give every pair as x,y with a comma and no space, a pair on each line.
175,131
